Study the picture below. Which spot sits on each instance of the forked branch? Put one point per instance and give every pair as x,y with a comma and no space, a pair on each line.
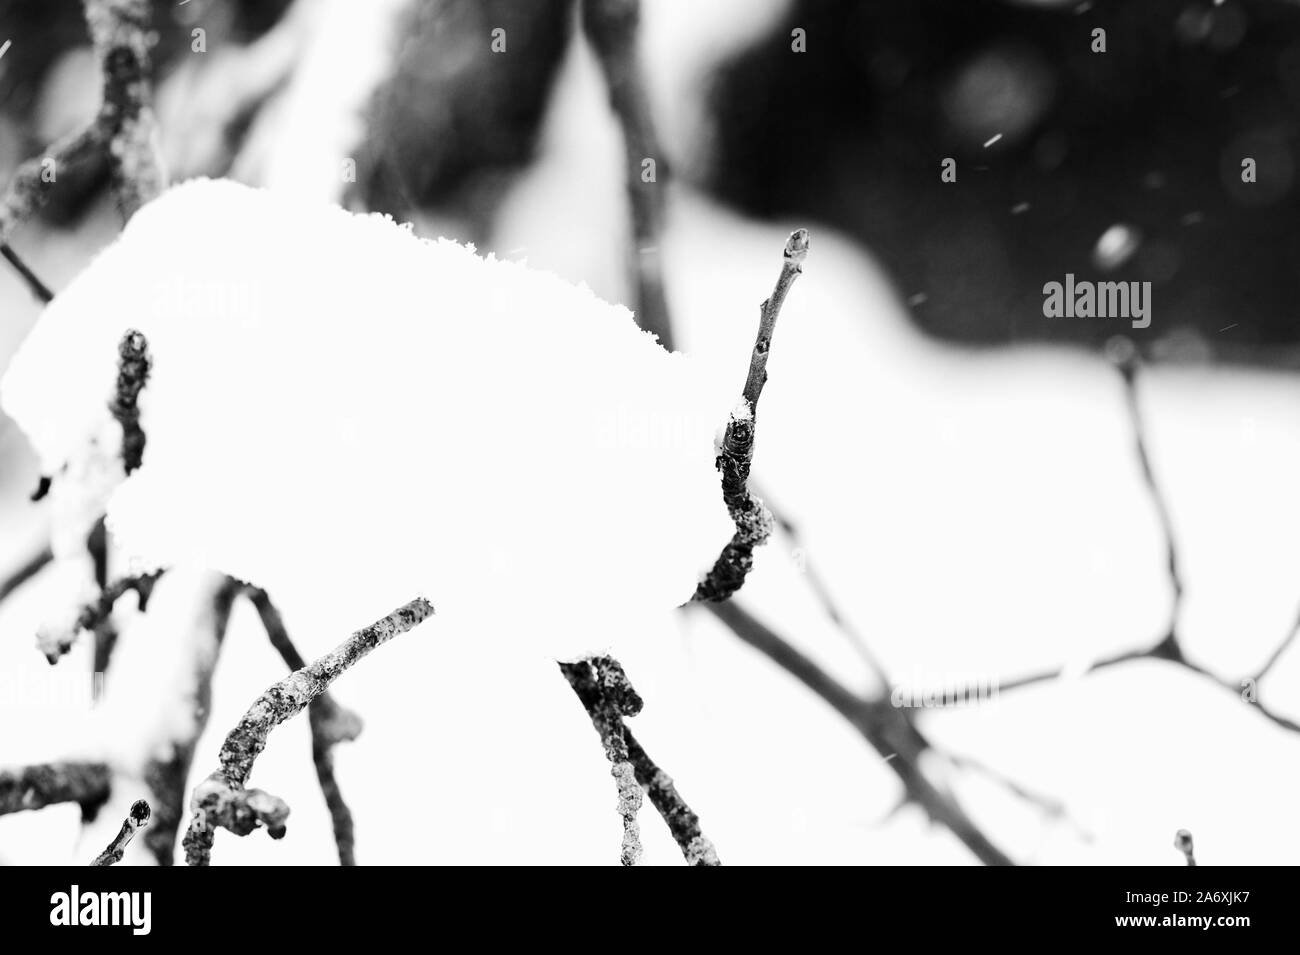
222,800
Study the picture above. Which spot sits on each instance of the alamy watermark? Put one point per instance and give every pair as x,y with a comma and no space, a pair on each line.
49,688
931,691
1087,299
129,909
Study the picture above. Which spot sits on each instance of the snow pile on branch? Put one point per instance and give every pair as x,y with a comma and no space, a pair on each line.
348,415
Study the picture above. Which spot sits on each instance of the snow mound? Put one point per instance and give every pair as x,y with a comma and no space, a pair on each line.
346,414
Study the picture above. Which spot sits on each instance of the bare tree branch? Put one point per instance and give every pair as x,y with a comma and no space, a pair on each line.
1123,354
607,712
330,724
119,30
38,288
167,771
133,368
887,728
753,519
611,29
221,800
823,593
135,820
682,821
608,697
33,566
56,642
35,787
1277,653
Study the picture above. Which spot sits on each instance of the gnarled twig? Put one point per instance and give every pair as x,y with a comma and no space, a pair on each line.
221,800
607,696
133,367
753,519
330,724
54,643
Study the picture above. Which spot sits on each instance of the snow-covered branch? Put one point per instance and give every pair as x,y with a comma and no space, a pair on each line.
56,641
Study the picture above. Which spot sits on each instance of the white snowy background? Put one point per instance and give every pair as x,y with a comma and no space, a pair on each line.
978,516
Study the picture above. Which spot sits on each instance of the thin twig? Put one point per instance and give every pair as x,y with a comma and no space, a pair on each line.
682,821
608,697
221,800
752,518
330,724
611,28
46,784
1160,652
607,711
1123,354
1277,654
105,632
135,820
1051,807
885,727
38,288
167,772
822,591
34,565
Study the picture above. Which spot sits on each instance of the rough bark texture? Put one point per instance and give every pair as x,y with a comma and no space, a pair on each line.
753,520
608,697
34,787
330,724
132,375
221,800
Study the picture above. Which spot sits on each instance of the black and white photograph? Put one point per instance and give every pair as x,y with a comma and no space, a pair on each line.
522,433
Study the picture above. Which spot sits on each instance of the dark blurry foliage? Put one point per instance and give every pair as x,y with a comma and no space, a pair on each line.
42,31
456,116
1149,134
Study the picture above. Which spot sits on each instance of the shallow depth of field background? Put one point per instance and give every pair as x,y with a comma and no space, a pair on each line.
978,511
